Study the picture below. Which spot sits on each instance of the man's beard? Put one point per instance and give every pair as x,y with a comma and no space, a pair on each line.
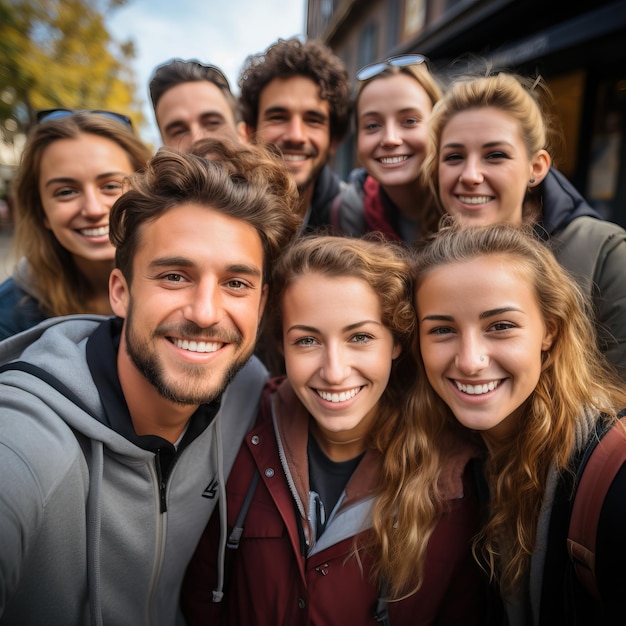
195,388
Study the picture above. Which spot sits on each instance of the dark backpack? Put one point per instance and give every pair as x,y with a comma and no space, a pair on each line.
604,456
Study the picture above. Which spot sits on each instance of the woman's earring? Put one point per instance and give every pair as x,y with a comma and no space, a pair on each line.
531,181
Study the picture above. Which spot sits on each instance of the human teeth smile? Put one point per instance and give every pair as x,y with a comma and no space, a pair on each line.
338,397
95,232
294,157
477,390
392,160
475,199
197,346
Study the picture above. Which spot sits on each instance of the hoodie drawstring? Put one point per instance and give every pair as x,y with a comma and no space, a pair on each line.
218,593
94,519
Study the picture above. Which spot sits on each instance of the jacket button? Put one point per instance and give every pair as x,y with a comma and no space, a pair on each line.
269,472
301,603
255,439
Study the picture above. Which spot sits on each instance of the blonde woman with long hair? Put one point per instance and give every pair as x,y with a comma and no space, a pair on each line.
507,350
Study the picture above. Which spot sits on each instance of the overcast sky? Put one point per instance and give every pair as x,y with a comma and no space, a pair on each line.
220,32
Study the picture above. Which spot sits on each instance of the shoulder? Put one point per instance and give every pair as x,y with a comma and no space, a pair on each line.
459,452
347,211
52,338
18,310
592,228
586,242
39,449
242,398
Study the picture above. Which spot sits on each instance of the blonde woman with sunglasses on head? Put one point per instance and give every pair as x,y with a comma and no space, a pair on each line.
72,171
394,101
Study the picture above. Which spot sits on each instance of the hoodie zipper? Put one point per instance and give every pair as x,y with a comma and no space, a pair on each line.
161,481
160,533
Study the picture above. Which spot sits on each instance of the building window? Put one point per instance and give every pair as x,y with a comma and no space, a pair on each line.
606,182
326,10
367,45
393,24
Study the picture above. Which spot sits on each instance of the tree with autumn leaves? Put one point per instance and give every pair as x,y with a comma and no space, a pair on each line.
59,53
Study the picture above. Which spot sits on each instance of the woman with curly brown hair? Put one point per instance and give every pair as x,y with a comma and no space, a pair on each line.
72,170
343,509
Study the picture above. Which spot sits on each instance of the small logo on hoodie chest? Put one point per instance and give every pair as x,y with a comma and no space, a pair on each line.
211,490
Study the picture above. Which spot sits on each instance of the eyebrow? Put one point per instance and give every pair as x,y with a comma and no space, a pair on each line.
489,144
181,261
410,109
67,180
313,329
482,316
211,114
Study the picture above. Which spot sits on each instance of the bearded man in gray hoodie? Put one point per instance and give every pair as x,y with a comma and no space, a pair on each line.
117,434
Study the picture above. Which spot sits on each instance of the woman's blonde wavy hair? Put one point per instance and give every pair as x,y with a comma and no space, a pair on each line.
407,506
60,287
574,376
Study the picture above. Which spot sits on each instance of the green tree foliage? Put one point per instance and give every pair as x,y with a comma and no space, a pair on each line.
58,53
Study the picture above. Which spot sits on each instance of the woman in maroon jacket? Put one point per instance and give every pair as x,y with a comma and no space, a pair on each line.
342,508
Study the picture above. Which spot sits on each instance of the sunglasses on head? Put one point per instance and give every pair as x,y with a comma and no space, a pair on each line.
369,71
54,114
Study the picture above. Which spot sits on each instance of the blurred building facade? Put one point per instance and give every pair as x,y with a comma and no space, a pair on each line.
579,47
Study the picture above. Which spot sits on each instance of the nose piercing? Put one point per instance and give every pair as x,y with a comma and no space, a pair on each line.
481,357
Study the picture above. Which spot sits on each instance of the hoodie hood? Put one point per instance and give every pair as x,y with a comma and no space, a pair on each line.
562,203
59,348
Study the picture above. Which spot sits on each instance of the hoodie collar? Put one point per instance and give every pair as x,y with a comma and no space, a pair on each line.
562,203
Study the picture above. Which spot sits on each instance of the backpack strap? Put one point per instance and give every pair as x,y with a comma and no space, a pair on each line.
382,610
605,454
237,531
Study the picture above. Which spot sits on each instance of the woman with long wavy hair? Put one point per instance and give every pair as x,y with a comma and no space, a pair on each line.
71,172
507,350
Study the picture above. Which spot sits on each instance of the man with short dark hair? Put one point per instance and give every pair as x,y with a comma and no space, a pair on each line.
191,101
296,95
117,433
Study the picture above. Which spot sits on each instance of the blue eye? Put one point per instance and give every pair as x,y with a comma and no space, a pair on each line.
305,341
361,338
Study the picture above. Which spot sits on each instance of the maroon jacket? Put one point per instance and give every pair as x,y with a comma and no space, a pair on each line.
275,579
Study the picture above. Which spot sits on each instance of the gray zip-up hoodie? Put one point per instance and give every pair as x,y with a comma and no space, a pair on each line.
82,536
